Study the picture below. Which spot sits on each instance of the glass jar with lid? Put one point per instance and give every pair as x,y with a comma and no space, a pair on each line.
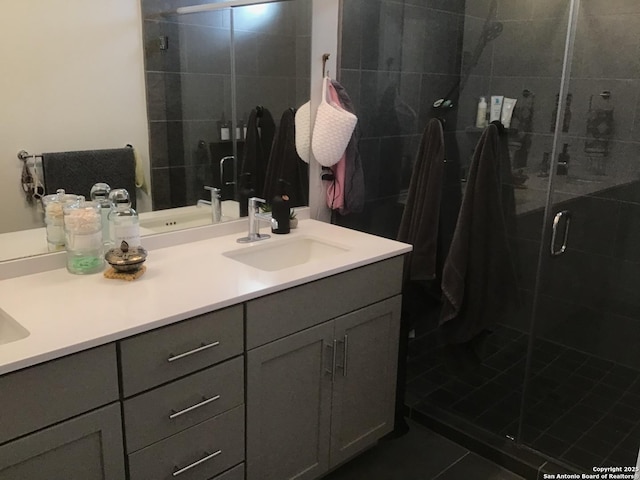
54,217
100,196
124,223
83,237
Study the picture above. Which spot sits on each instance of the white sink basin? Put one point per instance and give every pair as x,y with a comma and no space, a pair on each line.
10,330
271,257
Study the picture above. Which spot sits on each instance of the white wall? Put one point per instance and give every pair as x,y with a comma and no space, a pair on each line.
324,39
72,79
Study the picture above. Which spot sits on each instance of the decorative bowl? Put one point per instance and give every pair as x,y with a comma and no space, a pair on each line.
125,258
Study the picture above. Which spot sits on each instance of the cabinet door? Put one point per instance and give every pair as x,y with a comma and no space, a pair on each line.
365,381
288,406
88,447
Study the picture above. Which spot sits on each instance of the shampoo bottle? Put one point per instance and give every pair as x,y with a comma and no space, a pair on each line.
481,116
124,223
224,129
280,210
496,108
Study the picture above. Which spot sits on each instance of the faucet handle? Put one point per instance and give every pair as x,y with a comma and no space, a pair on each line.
254,201
215,192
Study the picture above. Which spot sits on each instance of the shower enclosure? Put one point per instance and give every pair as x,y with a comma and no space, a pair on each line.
559,379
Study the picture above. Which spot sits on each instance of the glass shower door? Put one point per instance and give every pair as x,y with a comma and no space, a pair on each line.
582,392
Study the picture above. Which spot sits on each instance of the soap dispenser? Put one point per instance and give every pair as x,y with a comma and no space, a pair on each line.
245,193
280,210
124,223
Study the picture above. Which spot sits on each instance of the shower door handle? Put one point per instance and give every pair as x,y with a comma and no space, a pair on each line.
556,222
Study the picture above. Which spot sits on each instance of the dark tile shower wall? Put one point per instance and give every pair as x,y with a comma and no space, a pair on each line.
396,59
413,52
588,299
588,308
189,85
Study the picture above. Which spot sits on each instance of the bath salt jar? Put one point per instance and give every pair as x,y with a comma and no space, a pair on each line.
83,237
54,217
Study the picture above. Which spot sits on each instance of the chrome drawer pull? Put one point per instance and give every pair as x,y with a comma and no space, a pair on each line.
333,360
345,353
195,464
332,370
204,346
204,402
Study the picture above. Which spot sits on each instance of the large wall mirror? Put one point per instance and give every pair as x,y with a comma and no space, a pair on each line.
185,86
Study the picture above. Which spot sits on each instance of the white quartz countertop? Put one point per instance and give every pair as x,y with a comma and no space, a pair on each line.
66,313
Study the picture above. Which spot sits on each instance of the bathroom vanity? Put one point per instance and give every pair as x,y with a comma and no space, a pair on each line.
223,361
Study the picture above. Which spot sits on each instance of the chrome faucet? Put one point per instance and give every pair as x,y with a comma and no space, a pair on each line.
254,218
216,206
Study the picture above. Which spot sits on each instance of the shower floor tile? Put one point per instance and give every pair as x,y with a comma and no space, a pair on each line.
582,410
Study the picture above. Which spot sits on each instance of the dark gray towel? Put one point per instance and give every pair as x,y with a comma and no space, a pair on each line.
257,148
78,171
420,219
479,281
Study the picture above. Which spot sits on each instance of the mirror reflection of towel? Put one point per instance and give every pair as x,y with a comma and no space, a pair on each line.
76,172
285,164
257,147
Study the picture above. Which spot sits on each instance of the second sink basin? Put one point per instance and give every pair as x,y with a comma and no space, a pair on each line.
287,253
10,330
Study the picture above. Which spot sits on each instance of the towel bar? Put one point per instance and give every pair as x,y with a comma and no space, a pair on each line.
23,156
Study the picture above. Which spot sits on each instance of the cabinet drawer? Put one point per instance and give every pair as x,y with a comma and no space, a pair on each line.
83,448
39,396
189,400
275,316
236,473
170,352
199,453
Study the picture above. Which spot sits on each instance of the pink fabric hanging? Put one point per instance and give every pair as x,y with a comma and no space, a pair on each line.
335,190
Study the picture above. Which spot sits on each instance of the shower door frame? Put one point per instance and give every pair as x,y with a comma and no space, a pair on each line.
544,250
549,249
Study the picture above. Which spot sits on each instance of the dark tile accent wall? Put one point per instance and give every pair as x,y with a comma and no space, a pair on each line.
397,58
414,53
189,84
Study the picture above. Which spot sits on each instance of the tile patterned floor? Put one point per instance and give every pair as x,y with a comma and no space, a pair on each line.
420,455
584,411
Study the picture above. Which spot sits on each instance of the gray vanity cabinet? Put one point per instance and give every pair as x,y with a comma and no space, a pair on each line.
88,447
189,422
45,430
364,387
288,385
317,397
289,406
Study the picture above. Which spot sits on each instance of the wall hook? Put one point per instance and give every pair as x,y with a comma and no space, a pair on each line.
325,57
